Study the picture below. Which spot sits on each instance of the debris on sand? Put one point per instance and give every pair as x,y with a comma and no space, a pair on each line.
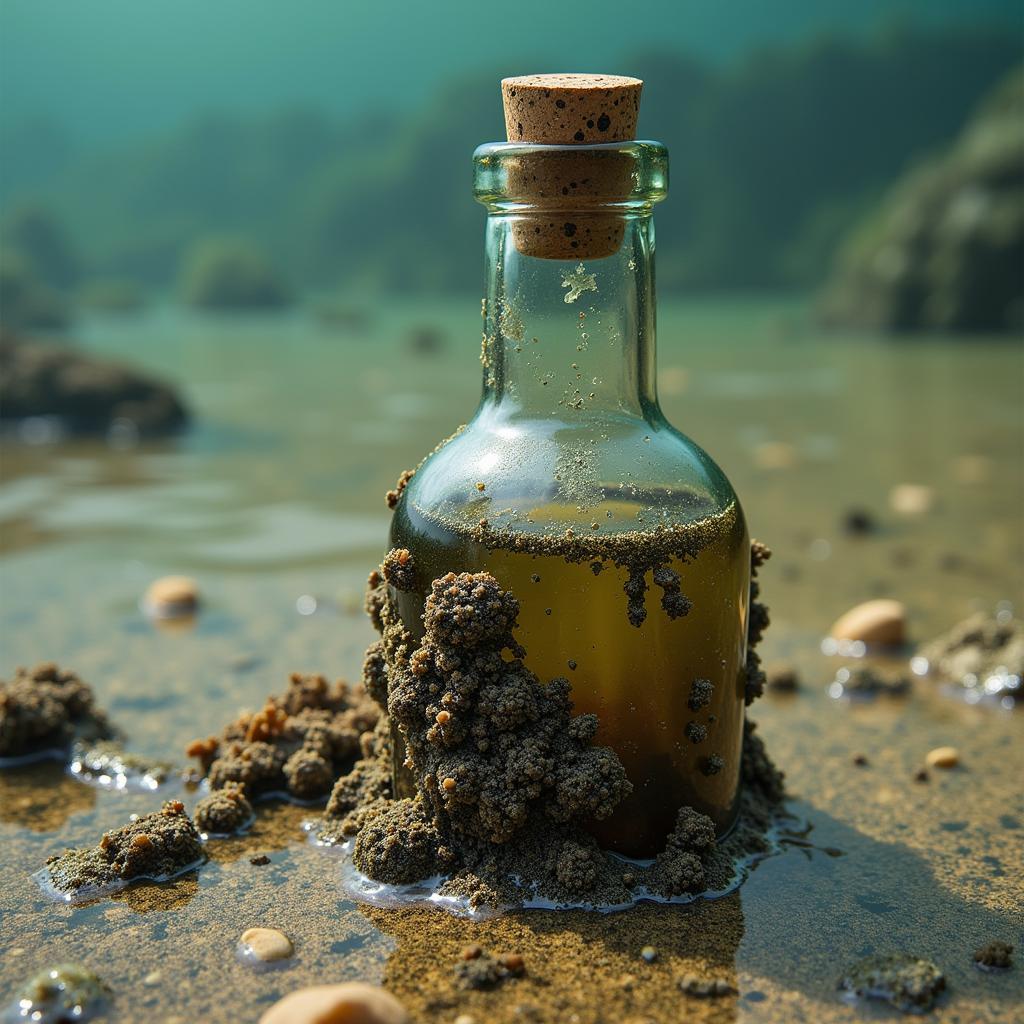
298,744
68,992
44,709
156,847
994,956
905,982
225,812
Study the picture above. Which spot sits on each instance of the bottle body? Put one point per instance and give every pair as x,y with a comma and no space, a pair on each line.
622,540
638,680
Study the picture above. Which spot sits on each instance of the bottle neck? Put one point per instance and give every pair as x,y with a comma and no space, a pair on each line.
567,339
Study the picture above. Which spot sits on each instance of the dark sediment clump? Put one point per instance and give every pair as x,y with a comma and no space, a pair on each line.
705,988
108,764
905,982
45,709
482,970
298,744
156,846
68,992
757,622
984,652
782,678
994,956
506,778
864,683
224,812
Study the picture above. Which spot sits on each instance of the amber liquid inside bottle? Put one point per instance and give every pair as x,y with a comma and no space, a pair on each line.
637,680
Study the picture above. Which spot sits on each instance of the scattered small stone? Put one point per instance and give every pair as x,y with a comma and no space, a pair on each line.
775,455
464,1018
860,760
782,678
903,981
68,992
265,945
943,757
994,956
911,499
171,597
859,522
921,775
259,860
153,978
349,1003
881,621
649,954
711,988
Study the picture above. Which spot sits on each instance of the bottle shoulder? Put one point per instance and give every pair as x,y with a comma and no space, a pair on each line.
549,475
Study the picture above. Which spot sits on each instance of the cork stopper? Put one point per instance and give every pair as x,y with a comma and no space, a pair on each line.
566,188
571,109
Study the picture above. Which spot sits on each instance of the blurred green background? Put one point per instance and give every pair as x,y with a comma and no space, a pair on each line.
254,154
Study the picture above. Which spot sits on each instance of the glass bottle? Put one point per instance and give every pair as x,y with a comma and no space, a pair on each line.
623,541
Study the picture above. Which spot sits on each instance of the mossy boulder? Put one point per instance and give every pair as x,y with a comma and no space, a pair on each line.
231,274
87,394
945,250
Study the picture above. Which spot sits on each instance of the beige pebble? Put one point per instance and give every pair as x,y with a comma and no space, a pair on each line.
348,1003
943,757
972,469
464,1018
911,499
267,944
775,455
17,951
882,621
171,597
153,978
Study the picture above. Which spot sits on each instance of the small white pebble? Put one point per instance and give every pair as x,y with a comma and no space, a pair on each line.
153,978
171,597
911,499
943,757
265,944
649,953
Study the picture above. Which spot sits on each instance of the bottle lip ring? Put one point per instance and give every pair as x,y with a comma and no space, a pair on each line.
510,176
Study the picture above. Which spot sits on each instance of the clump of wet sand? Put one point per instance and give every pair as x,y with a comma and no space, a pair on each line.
225,811
507,778
297,744
46,709
904,981
155,846
984,651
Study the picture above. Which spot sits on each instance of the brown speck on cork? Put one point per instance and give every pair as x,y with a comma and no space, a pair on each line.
571,110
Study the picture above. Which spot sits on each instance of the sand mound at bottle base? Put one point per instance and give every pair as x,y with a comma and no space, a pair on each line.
506,778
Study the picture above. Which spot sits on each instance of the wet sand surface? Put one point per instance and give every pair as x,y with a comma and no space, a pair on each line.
276,495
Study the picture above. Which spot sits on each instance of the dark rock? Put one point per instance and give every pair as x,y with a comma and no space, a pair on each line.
87,394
